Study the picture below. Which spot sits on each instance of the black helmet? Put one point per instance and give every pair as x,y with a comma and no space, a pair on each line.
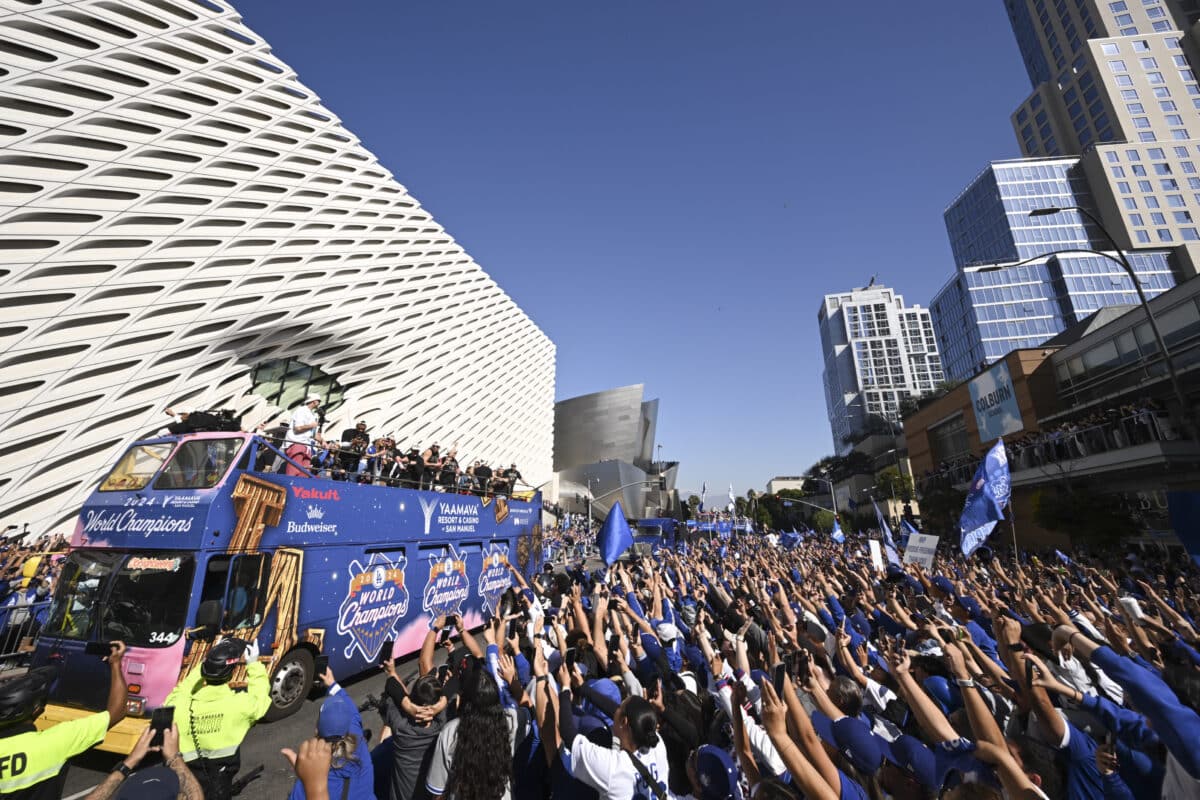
221,660
22,698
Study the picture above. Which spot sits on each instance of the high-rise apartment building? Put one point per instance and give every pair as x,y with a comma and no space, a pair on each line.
1115,83
988,309
877,352
1112,125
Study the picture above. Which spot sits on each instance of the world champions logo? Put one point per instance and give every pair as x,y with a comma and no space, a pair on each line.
448,585
494,578
376,600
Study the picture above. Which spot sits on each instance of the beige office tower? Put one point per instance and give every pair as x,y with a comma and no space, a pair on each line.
1115,83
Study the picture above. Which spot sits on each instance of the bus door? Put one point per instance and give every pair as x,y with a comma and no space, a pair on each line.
238,583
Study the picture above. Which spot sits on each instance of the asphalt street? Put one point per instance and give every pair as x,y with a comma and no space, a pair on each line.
262,744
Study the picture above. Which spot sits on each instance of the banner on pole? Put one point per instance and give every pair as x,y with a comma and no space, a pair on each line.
921,549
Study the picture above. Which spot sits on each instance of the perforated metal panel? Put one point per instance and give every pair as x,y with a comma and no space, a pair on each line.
177,207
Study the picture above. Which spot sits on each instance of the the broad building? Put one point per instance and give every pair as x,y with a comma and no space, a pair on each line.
183,222
877,352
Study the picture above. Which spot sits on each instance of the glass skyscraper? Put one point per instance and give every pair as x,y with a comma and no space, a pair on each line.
1005,295
1110,126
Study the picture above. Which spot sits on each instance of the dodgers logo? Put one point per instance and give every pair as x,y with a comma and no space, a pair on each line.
494,578
376,600
448,585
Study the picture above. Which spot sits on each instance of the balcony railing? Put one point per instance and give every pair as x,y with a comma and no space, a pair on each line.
1070,441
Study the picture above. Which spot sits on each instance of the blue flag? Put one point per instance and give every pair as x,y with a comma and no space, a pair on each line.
1063,557
888,545
906,532
989,494
614,537
837,534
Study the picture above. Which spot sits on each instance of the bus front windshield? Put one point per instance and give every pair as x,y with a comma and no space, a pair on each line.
139,598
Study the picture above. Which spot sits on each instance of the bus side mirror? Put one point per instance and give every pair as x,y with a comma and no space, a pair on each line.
208,620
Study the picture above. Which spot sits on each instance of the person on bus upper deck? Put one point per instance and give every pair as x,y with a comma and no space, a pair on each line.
301,435
213,719
32,762
433,465
359,430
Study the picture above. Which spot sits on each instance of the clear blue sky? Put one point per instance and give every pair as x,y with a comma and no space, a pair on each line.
668,188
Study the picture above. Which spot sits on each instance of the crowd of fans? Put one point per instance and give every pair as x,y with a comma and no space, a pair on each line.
1096,432
739,670
735,669
28,571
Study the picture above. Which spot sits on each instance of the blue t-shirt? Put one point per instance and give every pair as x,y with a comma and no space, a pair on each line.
1084,781
851,790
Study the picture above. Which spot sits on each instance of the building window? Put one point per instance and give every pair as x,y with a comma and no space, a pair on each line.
1148,62
1143,237
1110,48
1130,203
1189,234
1136,220
1164,235
1147,136
1154,78
1180,134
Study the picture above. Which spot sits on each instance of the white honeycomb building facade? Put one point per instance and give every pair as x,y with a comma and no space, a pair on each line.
176,210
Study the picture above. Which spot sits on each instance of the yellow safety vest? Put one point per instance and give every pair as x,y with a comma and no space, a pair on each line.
28,759
213,720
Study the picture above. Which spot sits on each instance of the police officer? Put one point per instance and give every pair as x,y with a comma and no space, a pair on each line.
32,761
213,719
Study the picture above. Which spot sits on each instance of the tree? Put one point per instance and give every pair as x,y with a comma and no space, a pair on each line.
739,506
941,507
693,503
763,517
891,482
823,521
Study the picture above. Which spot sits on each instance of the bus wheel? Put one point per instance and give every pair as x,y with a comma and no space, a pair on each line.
291,683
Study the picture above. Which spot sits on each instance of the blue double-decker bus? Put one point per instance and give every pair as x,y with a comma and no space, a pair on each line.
186,537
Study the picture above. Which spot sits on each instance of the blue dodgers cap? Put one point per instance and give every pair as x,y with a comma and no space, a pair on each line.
939,689
943,585
717,774
155,783
604,691
335,718
971,606
853,739
860,624
911,755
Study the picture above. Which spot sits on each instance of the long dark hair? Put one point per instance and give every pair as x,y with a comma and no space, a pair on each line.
481,767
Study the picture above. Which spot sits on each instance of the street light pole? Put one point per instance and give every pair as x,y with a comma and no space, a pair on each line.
1123,261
